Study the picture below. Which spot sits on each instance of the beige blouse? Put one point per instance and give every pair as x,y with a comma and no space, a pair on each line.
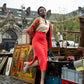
43,26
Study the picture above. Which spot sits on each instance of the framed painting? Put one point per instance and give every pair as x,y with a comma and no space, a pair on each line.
2,62
8,67
21,54
25,38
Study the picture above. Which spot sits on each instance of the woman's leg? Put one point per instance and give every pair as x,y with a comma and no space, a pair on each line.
43,77
35,63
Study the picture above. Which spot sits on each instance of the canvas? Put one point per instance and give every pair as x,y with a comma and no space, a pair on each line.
7,72
21,54
25,38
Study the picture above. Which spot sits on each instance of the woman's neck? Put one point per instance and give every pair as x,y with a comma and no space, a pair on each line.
43,17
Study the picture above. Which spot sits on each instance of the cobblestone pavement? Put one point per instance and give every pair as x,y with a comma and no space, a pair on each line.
9,80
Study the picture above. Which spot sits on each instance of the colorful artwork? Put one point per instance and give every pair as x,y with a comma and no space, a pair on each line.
8,66
2,62
23,53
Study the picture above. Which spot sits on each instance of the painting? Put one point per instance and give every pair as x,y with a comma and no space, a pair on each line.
23,53
8,67
2,62
25,38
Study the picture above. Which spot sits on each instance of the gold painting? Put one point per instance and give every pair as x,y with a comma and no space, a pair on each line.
21,54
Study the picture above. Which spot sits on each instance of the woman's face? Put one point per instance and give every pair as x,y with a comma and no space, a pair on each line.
42,12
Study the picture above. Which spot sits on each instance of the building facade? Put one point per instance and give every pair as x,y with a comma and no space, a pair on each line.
14,22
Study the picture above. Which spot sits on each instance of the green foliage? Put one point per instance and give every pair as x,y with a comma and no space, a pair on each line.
71,25
67,24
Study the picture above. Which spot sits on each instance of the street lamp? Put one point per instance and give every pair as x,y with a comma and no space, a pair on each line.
22,16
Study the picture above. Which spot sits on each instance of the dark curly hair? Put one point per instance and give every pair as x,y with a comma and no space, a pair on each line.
39,9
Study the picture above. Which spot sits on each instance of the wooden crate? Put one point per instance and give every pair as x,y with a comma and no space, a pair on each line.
67,82
72,52
55,50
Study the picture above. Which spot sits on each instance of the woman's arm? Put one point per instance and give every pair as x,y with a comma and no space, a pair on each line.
32,28
49,33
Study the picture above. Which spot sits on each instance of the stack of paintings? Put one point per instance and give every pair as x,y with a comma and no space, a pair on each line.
3,61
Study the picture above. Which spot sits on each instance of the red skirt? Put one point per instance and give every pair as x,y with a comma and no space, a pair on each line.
40,47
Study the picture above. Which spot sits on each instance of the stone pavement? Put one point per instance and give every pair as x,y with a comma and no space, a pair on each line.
9,80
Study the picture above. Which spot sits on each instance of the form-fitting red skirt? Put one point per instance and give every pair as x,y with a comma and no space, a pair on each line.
39,44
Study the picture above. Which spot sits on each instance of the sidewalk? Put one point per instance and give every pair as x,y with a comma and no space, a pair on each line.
9,80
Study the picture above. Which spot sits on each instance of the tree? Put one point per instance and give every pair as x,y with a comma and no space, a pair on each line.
66,23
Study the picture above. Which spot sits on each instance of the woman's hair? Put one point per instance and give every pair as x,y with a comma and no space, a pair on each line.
39,9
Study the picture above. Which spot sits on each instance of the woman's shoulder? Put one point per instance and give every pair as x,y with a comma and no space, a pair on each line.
37,18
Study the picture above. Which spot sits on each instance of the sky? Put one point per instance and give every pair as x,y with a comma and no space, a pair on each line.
56,6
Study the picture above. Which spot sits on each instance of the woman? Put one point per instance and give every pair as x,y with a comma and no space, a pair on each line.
40,38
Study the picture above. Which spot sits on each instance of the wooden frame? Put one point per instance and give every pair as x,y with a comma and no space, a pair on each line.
70,32
21,54
0,59
4,59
